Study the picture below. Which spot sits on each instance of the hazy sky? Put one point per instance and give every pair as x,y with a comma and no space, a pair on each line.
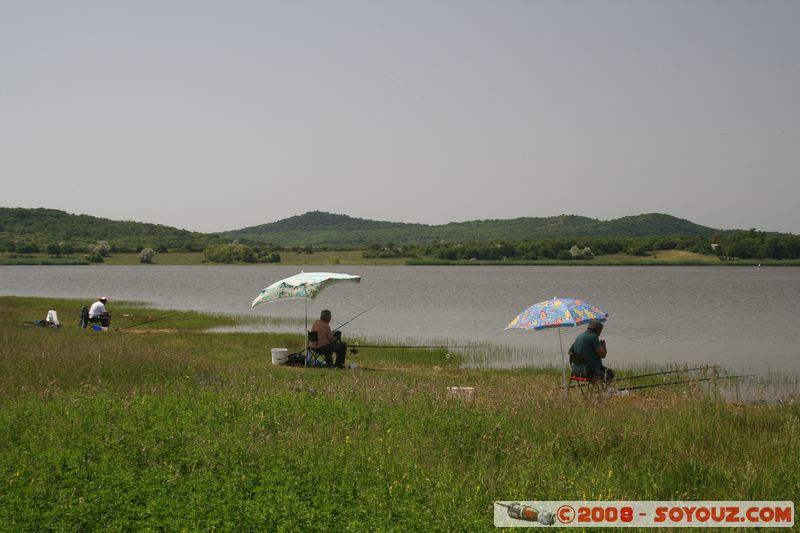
218,115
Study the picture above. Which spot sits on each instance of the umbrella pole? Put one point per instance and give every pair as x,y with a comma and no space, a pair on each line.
563,367
305,331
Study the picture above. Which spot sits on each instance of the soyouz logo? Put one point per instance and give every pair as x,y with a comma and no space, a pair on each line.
644,514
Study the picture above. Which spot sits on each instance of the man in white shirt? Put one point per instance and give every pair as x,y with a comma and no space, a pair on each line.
98,312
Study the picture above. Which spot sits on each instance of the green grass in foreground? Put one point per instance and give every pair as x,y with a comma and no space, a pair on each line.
179,429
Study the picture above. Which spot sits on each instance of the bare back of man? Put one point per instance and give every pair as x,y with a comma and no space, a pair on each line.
327,344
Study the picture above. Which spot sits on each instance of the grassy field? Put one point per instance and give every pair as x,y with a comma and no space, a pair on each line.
41,259
166,427
661,258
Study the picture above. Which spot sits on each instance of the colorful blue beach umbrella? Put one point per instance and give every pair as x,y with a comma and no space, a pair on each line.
558,313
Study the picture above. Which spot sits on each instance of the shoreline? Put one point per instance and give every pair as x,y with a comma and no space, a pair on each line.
469,355
328,260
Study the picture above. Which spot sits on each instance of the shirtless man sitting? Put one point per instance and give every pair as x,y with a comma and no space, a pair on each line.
327,342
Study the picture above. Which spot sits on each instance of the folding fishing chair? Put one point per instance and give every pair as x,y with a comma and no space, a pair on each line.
84,319
587,384
313,357
592,385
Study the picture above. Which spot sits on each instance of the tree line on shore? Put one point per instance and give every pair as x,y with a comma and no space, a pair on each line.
57,233
751,244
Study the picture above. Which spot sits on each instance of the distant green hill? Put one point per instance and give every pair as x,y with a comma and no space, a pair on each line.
319,228
57,233
44,226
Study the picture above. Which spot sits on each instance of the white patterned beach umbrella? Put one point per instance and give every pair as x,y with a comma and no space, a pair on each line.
305,285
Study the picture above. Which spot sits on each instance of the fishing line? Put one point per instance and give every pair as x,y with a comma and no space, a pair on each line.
358,315
439,346
686,381
154,319
664,373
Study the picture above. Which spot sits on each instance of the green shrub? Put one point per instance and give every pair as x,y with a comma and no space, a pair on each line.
146,255
230,253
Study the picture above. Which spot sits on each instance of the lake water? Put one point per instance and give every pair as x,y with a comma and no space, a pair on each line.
737,317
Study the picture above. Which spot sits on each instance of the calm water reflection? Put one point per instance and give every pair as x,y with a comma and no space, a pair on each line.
735,317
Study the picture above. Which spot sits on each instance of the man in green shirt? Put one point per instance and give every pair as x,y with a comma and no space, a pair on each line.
587,353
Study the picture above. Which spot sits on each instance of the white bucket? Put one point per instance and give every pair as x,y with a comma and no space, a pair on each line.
52,317
280,356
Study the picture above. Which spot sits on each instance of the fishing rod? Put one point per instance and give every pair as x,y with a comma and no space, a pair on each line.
664,373
358,315
150,320
356,347
685,381
439,346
